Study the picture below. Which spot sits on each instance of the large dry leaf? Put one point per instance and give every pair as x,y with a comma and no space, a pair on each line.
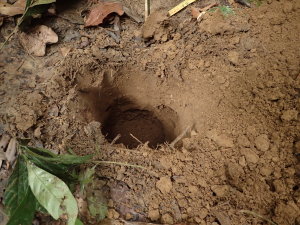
101,11
36,39
17,8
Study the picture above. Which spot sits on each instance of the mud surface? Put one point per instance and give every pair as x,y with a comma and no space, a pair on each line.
235,80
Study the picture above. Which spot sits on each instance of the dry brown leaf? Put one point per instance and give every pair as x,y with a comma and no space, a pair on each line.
11,150
65,51
17,8
101,11
36,39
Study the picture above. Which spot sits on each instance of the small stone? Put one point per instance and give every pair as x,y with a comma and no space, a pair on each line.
251,156
289,115
235,171
266,171
110,203
176,36
243,141
235,40
37,132
242,161
128,216
220,190
166,162
279,186
233,57
222,140
193,189
153,214
203,213
262,142
201,181
167,219
164,185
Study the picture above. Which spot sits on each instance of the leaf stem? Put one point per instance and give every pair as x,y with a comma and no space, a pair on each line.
119,163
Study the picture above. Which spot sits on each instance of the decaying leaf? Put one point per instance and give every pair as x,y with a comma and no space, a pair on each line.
11,150
101,11
4,141
11,10
36,39
52,193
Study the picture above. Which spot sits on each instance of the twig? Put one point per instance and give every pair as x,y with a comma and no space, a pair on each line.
180,137
119,163
21,64
9,37
258,215
147,9
115,139
135,138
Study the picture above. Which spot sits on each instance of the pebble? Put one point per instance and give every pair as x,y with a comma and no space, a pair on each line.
289,115
203,213
243,141
167,219
242,161
164,185
279,186
220,190
233,57
262,142
235,171
222,140
128,216
266,171
250,155
153,214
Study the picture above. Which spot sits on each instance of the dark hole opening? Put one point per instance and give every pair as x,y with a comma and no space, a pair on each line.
135,126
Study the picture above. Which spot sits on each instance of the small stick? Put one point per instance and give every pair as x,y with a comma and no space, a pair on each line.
115,139
147,9
180,137
135,138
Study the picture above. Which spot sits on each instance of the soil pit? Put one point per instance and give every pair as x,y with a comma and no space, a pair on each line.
127,117
133,126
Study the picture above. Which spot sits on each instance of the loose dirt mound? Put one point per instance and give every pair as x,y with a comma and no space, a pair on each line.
235,80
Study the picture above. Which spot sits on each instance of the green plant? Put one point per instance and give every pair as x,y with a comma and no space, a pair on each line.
41,181
225,10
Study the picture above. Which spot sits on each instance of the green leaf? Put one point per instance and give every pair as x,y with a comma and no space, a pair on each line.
97,207
59,165
24,212
41,2
33,8
78,222
52,193
17,187
86,177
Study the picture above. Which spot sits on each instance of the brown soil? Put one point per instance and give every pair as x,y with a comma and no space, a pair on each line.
235,80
